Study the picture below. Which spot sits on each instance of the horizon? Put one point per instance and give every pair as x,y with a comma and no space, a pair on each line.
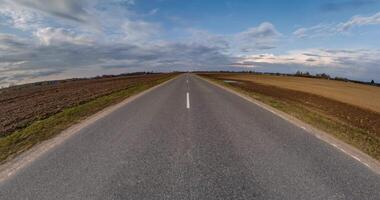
139,73
62,39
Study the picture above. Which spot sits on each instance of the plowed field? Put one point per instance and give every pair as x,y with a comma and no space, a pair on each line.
21,105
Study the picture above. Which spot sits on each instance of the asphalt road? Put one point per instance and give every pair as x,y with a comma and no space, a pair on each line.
209,145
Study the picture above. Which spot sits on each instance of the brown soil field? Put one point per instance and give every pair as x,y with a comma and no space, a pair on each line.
21,105
364,96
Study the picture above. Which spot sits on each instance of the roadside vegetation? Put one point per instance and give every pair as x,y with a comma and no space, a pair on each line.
349,111
36,112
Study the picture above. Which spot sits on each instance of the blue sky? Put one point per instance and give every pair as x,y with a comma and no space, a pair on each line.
55,39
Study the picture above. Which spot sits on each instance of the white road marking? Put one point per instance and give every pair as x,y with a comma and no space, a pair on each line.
366,164
187,101
344,151
356,158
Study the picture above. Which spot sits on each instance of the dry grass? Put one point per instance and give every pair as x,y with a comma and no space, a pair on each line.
363,96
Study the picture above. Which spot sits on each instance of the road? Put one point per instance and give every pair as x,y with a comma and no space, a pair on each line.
189,139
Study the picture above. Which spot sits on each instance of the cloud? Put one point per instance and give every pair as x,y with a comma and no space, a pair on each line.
139,31
261,37
19,17
360,21
68,53
14,77
202,37
354,63
264,30
322,30
319,30
57,36
59,50
29,15
66,9
33,14
55,44
10,43
153,11
348,4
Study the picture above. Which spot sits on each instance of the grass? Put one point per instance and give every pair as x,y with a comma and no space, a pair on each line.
357,137
41,130
364,96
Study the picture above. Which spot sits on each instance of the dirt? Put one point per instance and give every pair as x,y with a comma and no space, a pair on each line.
21,105
360,95
364,119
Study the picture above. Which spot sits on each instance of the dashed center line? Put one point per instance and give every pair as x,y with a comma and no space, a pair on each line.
187,101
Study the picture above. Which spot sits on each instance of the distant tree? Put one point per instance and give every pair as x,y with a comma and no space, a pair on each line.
323,75
372,82
341,79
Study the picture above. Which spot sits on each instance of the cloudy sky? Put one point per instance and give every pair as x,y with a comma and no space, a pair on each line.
55,39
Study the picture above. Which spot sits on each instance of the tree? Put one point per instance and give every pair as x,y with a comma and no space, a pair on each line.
372,82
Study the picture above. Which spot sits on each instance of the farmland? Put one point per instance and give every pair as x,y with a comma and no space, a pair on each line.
360,95
35,112
348,111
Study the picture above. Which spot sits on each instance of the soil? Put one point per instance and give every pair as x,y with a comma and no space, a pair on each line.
21,105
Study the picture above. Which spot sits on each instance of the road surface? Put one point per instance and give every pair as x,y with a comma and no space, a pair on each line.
192,140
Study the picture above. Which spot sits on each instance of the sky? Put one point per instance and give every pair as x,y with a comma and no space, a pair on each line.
57,39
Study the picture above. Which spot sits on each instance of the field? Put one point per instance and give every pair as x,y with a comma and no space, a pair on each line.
35,112
349,111
360,95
